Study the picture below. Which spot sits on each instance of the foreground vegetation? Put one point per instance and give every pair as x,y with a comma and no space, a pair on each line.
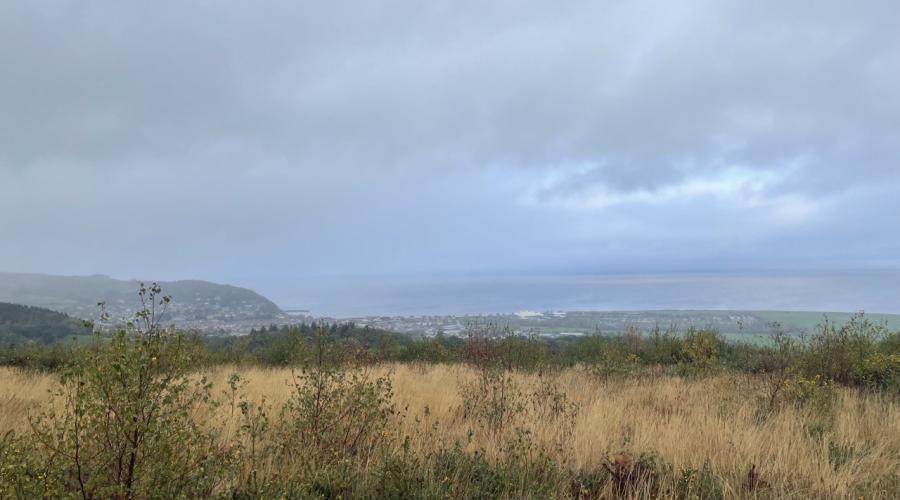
329,413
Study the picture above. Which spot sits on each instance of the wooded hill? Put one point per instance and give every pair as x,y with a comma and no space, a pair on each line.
78,296
24,324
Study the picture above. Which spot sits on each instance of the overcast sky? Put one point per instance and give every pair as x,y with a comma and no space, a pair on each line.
234,140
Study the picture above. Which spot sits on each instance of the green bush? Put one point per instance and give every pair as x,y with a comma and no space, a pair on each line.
839,353
335,413
38,357
700,351
124,423
879,371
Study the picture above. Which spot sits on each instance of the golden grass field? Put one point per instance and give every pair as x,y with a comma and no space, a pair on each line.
683,421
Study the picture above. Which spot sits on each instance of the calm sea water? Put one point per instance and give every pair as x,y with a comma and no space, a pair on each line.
871,291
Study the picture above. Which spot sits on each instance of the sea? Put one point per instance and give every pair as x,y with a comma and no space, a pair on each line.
872,291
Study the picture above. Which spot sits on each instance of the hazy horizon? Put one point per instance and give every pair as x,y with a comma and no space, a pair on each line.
872,291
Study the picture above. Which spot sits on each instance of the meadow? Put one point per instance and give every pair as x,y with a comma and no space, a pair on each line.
147,412
691,437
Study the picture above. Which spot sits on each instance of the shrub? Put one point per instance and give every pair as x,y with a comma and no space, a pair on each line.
879,371
125,426
816,393
494,401
334,413
25,473
777,366
699,351
840,353
662,347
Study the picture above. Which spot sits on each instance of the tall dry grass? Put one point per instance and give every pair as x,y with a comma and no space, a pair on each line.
798,452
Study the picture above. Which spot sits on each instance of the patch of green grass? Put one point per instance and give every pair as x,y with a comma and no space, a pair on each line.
808,321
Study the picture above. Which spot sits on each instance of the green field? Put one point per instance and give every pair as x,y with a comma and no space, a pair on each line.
809,320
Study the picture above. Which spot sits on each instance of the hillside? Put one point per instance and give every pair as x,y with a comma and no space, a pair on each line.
192,301
20,324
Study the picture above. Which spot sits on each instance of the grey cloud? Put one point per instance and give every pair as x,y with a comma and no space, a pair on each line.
294,130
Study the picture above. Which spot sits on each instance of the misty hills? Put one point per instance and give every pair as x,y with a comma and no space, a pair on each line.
20,324
192,300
